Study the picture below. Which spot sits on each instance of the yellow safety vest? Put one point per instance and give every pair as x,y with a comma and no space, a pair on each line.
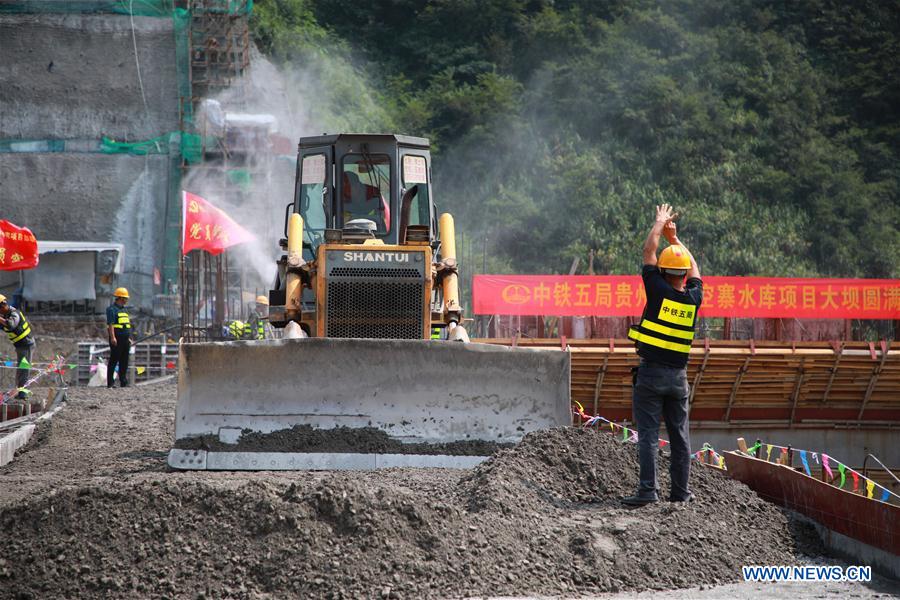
671,328
22,330
122,319
236,329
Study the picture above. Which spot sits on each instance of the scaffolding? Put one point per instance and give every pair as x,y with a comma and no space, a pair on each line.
219,47
233,160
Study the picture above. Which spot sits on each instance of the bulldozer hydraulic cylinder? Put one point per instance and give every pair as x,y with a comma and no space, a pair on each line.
293,284
452,309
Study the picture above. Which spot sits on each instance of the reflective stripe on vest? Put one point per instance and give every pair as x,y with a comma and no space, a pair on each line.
21,331
435,333
260,330
122,320
681,316
679,333
637,336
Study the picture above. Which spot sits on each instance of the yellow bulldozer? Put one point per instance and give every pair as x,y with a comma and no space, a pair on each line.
373,336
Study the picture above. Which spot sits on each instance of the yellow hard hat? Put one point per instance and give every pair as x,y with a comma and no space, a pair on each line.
2,298
674,257
121,293
262,300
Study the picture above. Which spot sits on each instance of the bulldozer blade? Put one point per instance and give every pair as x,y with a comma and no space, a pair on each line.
415,390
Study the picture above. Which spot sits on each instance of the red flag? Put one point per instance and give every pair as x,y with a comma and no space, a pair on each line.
18,248
209,228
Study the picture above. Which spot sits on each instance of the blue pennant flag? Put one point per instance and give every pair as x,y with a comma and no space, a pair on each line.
885,495
805,462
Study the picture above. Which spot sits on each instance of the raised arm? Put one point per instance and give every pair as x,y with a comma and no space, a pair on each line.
670,232
664,215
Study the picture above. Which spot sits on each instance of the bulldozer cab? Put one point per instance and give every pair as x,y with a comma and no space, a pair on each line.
345,177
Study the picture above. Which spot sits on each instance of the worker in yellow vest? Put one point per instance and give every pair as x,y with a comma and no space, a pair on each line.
258,326
118,324
663,338
17,328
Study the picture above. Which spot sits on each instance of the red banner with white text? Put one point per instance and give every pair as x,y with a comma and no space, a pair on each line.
623,295
18,247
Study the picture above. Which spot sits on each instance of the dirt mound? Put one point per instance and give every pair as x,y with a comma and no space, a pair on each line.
540,518
303,438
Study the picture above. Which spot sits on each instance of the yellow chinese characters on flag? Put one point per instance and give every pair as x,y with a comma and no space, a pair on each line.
208,228
18,247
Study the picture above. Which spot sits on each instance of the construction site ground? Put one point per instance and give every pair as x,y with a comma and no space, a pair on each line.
89,508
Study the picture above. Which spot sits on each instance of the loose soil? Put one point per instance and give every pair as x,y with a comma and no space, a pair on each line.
90,508
303,438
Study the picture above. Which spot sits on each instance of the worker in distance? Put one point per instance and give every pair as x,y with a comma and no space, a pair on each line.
663,338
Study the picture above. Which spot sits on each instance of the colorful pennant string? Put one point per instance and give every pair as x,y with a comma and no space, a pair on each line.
714,458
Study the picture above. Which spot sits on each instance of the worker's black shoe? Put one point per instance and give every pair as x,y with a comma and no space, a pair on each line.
690,498
638,500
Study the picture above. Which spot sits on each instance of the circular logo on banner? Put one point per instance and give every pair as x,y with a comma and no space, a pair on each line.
516,294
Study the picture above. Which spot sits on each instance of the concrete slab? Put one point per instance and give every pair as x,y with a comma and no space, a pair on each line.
11,442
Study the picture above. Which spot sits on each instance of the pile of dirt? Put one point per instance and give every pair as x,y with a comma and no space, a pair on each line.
539,518
304,438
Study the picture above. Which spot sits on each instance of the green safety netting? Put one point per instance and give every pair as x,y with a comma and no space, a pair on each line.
140,8
190,145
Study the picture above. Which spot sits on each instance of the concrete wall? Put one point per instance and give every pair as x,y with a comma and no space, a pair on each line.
92,197
76,77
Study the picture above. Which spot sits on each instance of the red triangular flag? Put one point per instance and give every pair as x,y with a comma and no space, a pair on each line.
208,228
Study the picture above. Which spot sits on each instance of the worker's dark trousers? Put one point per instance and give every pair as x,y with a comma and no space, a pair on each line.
661,390
22,374
118,355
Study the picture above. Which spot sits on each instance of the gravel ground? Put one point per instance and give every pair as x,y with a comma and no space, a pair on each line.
89,508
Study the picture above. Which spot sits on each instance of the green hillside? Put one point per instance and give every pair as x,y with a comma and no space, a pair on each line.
772,126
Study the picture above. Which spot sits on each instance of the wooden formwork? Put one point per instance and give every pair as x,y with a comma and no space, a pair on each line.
793,384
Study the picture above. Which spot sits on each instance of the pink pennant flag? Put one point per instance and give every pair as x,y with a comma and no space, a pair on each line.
826,466
662,443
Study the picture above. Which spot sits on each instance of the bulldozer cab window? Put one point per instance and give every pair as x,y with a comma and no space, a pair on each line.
366,190
311,197
415,172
